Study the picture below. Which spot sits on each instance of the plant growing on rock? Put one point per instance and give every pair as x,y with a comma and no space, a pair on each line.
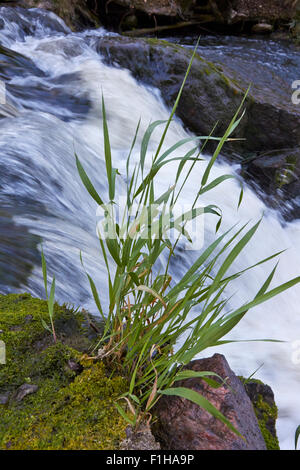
148,313
50,299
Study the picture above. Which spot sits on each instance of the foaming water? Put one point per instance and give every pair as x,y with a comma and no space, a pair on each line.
41,191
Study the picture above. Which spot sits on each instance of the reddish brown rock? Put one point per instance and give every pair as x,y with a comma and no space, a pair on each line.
183,425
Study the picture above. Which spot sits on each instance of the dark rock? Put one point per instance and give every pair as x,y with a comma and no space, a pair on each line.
278,174
213,92
139,439
262,398
183,425
24,390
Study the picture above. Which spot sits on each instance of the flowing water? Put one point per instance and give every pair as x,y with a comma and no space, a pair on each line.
52,107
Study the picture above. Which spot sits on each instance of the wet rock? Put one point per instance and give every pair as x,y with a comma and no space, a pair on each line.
139,439
75,13
24,390
278,174
183,425
213,92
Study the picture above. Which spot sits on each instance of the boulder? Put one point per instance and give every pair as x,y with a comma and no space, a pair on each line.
213,92
183,425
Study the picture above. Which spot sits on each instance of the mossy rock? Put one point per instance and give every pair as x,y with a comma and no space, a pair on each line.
70,404
213,92
262,398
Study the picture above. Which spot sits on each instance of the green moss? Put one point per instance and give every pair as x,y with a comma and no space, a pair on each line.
266,414
265,411
68,411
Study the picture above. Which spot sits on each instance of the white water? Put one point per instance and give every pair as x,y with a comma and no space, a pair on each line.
37,151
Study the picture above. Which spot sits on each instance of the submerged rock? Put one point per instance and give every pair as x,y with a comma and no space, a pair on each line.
183,425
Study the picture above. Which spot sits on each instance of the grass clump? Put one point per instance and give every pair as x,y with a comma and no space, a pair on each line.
148,313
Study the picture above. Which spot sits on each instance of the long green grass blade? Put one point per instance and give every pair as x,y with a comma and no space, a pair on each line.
232,126
87,183
44,268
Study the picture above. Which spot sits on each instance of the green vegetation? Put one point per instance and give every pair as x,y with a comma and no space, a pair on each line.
149,332
67,411
50,299
267,414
